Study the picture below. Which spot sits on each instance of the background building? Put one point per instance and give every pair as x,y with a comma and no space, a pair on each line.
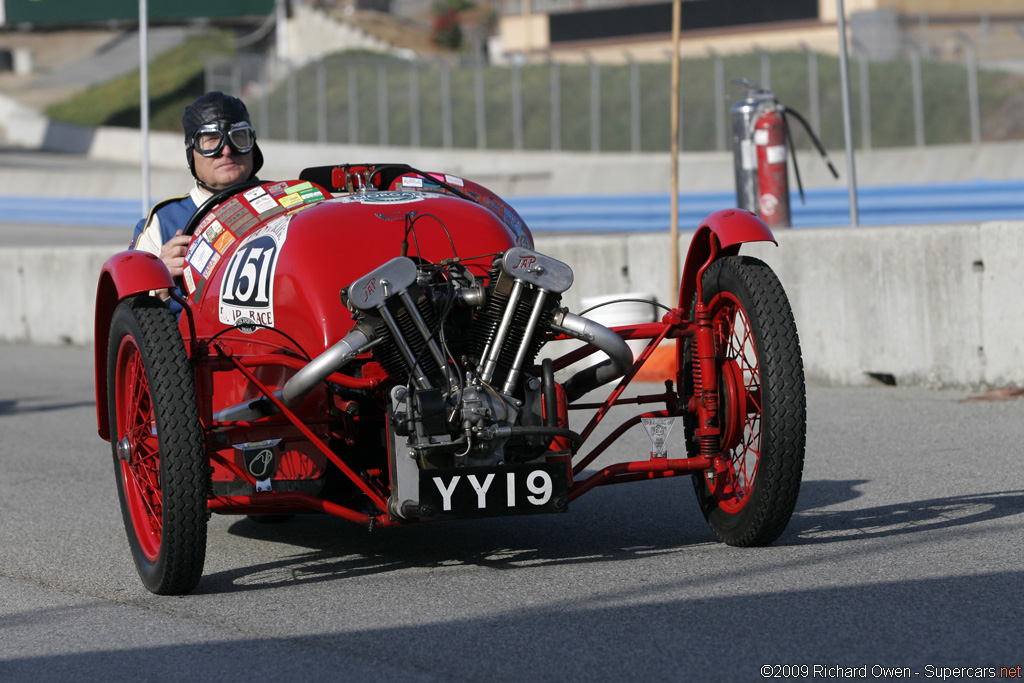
607,30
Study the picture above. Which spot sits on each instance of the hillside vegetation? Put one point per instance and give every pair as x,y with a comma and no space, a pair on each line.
383,109
176,78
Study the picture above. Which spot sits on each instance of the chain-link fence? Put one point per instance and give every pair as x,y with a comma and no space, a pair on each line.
380,100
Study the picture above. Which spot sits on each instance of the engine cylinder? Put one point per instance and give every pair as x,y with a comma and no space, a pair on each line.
388,353
488,319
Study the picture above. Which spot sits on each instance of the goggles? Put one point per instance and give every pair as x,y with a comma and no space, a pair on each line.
210,139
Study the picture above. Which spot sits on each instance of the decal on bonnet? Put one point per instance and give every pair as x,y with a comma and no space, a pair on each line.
190,282
263,203
223,242
214,231
290,199
199,253
211,265
512,220
218,236
382,198
210,217
247,290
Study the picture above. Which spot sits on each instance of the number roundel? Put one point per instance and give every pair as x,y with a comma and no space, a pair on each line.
247,290
247,281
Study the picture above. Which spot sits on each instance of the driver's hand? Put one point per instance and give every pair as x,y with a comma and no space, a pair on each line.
173,254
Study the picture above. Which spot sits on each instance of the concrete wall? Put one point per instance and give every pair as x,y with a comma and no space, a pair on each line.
312,34
49,294
928,305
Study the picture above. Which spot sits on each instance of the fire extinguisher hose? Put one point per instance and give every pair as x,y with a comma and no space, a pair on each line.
792,150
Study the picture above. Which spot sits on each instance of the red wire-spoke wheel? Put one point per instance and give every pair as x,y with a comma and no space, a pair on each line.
749,495
739,408
157,443
139,449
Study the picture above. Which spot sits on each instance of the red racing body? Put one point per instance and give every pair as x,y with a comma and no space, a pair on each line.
366,341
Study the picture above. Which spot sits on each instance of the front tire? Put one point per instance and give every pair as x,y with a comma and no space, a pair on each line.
762,404
157,440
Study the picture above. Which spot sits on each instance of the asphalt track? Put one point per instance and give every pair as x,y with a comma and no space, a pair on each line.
905,551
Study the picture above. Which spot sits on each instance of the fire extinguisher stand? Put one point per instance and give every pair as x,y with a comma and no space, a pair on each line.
761,145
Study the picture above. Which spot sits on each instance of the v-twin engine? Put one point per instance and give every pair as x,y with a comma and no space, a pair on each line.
462,353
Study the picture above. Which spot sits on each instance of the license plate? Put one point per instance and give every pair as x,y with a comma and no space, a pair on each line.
491,491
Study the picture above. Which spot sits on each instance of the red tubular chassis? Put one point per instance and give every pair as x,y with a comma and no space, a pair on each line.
364,342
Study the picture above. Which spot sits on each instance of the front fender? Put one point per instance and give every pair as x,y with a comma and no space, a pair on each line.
731,228
123,275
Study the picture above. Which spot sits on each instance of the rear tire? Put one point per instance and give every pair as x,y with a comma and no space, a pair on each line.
762,404
157,440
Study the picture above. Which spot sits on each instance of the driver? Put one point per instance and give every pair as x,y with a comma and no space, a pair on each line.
221,151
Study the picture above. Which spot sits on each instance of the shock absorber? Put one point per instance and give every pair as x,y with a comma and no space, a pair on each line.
705,383
705,375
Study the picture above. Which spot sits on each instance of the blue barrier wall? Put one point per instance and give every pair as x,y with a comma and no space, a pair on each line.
824,207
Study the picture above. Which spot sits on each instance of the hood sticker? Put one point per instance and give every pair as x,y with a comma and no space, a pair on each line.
382,198
199,253
190,282
247,290
263,203
217,235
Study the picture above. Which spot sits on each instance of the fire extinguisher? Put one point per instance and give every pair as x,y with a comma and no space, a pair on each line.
772,179
761,142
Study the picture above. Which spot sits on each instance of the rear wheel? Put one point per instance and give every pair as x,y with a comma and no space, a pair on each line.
157,440
750,496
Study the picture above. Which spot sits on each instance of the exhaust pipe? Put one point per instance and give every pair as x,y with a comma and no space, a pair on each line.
620,356
355,343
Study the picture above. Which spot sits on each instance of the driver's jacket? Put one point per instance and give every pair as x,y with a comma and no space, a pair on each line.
164,220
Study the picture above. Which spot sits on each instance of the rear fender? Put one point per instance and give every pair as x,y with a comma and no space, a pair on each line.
730,228
125,274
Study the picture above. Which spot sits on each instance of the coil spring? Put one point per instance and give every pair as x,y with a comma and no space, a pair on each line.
707,403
